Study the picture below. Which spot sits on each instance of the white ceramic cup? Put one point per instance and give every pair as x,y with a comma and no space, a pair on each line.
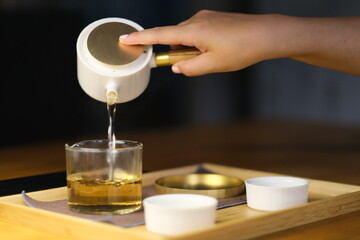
172,214
275,193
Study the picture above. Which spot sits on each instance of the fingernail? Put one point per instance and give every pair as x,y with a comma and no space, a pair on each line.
122,37
175,69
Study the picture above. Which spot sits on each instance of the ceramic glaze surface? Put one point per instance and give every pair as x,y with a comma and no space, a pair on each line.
275,193
97,78
172,214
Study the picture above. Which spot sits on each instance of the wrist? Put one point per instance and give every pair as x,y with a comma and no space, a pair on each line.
290,36
278,34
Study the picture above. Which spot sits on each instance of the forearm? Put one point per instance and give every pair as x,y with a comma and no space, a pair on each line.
332,43
233,41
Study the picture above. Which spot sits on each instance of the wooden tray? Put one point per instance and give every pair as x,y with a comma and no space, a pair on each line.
326,199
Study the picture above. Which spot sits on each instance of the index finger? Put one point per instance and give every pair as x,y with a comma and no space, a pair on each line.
170,35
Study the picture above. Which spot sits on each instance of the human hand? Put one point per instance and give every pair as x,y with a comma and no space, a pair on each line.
228,41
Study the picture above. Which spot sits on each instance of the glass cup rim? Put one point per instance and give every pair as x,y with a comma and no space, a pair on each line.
75,147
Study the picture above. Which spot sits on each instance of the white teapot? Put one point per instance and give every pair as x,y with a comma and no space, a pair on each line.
105,66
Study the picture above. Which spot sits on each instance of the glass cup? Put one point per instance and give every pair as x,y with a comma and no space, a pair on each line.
101,180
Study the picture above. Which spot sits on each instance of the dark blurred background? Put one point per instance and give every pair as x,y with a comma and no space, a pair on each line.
41,100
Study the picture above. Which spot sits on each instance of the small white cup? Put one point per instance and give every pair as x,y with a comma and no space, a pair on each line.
275,193
172,214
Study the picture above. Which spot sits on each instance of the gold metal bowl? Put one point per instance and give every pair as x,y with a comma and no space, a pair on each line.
214,185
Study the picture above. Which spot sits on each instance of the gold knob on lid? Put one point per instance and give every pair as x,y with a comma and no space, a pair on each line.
104,45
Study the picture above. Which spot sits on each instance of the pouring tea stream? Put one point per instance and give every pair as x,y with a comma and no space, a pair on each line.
111,72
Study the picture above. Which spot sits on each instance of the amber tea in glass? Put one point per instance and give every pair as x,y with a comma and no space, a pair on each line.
102,180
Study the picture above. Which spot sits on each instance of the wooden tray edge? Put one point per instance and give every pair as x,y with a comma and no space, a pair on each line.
280,220
244,228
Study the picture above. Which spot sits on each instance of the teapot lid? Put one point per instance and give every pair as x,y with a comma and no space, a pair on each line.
104,45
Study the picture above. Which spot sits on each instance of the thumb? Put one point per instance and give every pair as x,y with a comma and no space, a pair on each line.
196,66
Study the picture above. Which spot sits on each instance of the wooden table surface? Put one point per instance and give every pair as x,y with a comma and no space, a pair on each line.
310,150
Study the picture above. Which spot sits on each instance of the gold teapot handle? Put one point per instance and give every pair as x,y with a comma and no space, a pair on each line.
174,56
